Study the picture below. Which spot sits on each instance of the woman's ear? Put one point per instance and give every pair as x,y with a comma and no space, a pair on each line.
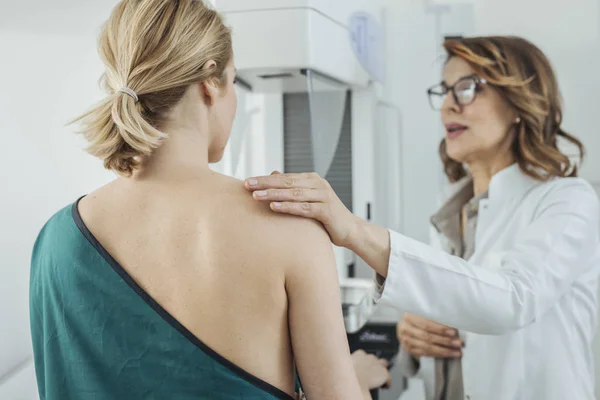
210,87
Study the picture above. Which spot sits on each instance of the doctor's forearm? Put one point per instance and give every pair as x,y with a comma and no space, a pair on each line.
371,242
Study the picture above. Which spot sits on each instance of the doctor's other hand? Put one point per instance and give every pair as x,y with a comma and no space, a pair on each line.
372,372
307,195
421,337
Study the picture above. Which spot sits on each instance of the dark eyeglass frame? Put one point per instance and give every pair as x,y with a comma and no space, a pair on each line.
479,82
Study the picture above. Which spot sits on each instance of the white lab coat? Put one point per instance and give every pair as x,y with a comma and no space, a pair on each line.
525,302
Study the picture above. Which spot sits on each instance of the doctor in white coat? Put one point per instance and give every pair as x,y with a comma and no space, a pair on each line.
521,278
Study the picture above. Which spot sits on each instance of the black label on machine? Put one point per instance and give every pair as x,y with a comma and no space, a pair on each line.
376,338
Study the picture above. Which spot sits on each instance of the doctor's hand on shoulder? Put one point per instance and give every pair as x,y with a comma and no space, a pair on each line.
307,195
421,337
310,196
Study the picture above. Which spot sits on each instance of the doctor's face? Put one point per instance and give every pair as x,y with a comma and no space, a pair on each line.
479,126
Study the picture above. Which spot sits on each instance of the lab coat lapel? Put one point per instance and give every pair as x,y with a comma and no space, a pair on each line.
507,189
491,217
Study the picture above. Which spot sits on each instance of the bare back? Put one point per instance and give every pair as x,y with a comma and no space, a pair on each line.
211,258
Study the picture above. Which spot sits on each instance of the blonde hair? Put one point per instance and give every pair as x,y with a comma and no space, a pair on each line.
524,76
156,48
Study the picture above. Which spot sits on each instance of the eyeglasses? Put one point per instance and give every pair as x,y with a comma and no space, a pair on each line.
464,91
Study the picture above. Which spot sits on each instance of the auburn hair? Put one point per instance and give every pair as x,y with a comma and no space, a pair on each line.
523,75
156,48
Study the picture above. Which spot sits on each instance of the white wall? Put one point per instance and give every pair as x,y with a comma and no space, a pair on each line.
411,68
49,74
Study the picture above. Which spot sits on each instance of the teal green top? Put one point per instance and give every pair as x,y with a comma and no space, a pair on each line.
97,334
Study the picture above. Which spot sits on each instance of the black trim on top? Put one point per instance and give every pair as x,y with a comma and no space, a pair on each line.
248,377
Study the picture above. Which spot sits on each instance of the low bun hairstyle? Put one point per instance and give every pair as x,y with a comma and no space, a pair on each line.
524,76
156,48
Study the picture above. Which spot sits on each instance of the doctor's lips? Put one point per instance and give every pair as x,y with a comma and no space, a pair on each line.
454,130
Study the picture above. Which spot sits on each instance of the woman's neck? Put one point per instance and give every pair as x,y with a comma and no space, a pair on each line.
182,156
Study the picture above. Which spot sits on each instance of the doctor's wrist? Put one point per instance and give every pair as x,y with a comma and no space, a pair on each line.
355,233
371,242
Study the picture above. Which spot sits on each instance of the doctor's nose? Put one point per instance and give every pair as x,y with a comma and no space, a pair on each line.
449,105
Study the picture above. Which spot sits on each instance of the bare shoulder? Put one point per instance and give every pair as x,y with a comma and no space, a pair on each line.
284,234
96,204
291,226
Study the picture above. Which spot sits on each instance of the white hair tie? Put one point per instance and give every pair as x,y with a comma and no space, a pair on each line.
129,92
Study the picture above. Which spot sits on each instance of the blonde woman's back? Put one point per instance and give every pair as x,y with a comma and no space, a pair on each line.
212,258
224,277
